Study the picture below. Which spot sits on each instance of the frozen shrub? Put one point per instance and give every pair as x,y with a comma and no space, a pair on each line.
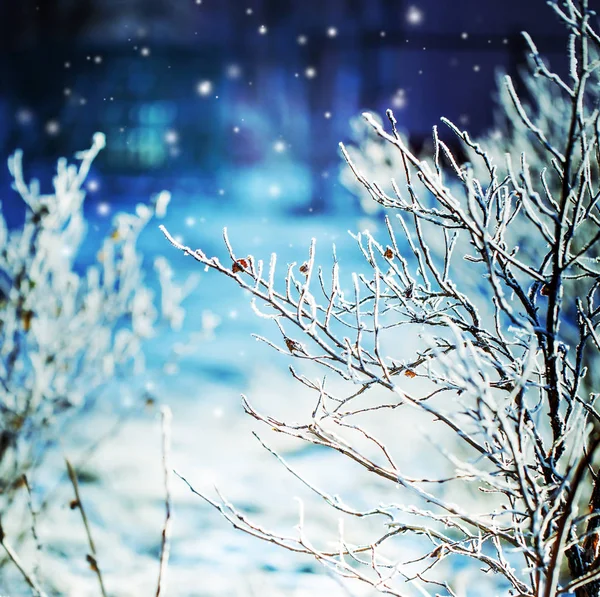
480,313
67,327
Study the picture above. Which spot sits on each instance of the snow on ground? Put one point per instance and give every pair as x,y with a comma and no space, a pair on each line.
212,444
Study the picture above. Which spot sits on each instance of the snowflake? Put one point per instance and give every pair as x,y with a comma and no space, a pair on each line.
234,71
52,127
24,116
171,137
414,16
103,209
204,87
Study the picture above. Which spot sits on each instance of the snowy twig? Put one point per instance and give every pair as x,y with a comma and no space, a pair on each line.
165,546
29,578
92,556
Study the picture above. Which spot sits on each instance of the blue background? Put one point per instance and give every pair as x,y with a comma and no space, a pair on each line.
194,98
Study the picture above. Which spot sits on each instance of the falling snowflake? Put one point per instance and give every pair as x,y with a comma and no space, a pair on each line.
332,32
310,72
204,87
103,209
262,30
24,116
414,16
234,71
399,99
171,137
52,127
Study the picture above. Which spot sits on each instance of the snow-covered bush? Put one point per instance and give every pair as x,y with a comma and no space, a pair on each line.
369,154
524,126
67,327
473,331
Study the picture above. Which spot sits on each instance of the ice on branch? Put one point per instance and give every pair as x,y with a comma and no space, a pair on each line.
478,317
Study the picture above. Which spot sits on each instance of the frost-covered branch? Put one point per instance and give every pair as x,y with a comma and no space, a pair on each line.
479,313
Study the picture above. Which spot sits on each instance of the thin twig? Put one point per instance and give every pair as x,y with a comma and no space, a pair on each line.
33,513
29,578
165,547
91,557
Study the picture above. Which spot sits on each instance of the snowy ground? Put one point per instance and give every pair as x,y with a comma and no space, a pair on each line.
212,444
